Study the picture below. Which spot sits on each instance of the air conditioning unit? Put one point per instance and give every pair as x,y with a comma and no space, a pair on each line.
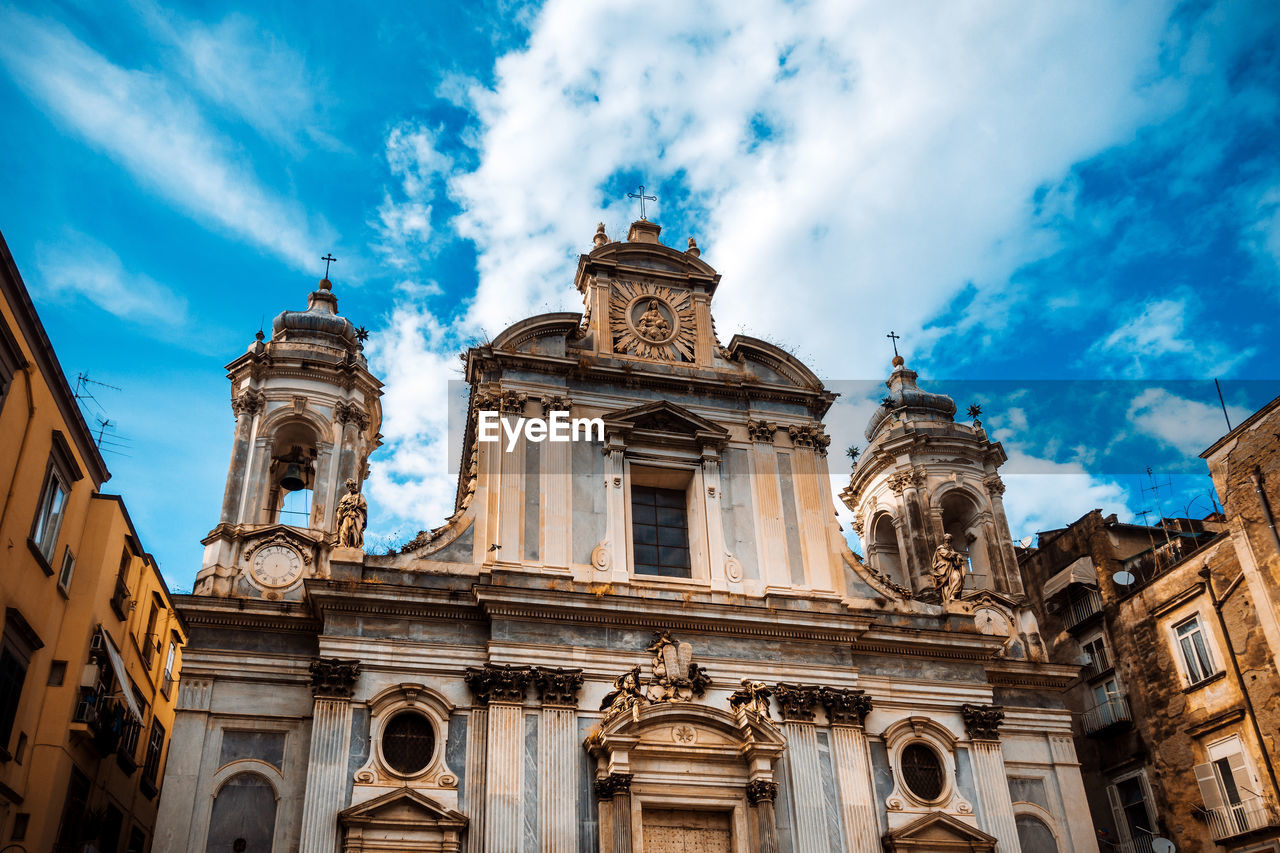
89,678
97,643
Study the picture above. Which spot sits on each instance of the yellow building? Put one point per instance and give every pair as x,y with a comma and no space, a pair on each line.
90,644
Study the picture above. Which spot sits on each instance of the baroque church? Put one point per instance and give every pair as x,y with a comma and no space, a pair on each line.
652,641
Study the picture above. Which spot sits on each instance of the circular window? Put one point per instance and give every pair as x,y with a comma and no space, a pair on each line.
922,771
408,742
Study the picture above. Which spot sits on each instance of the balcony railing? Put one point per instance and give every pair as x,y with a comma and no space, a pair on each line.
1099,662
1104,715
1083,607
1141,844
1246,816
120,599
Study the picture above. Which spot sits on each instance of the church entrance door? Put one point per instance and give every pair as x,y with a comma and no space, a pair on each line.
683,831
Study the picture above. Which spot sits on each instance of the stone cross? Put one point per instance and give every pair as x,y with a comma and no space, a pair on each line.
891,336
329,258
640,195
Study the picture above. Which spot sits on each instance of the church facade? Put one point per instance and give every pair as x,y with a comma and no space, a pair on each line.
653,638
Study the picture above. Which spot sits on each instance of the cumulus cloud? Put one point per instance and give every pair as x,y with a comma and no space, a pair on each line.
150,127
832,155
1189,426
1045,494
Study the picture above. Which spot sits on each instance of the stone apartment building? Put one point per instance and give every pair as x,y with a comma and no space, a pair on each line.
1178,705
650,639
90,644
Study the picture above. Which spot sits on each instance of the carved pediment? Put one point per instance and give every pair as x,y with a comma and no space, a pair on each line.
668,419
938,832
403,808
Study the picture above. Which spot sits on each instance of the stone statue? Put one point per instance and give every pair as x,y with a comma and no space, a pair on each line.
948,571
753,697
652,324
353,517
676,678
626,694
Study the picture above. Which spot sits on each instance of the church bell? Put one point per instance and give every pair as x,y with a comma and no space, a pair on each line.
294,479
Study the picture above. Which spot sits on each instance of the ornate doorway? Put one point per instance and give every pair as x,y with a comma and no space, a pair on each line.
685,831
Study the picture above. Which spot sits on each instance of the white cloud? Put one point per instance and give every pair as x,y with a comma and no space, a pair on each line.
905,144
1162,332
146,124
79,265
1190,426
404,226
1044,494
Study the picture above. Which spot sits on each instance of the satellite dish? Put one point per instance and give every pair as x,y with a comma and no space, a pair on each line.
1162,845
1124,579
1026,541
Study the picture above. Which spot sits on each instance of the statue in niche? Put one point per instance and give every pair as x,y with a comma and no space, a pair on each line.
948,571
652,324
353,517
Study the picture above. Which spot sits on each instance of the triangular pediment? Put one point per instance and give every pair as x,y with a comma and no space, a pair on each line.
939,831
403,807
665,417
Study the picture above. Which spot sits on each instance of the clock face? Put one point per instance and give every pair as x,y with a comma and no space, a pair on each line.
277,565
991,621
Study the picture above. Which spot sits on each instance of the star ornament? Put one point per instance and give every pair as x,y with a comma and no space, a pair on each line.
362,334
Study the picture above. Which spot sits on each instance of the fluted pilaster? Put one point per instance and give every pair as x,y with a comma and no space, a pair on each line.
806,785
504,772
557,797
852,758
326,775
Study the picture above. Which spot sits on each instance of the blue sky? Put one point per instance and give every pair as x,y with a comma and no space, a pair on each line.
1070,212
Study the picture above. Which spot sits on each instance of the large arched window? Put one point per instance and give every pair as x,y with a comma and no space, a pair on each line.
243,819
883,549
1035,834
293,474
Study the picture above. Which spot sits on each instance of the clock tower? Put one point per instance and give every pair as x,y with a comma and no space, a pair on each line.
307,416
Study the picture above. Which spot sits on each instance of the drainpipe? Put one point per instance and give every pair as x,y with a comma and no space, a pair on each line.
26,430
1207,574
1256,476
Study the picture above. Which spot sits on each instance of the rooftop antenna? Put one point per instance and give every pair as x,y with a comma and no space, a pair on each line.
1222,403
84,396
82,391
1154,490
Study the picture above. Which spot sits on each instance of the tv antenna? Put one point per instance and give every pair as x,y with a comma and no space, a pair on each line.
112,443
84,392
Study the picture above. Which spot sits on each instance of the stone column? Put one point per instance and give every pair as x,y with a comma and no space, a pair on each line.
477,752
557,756
761,793
982,723
767,498
615,789
556,493
847,713
1001,535
511,482
797,704
246,406
715,518
614,559
502,688
176,818
333,682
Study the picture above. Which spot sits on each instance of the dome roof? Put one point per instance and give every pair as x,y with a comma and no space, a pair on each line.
906,399
320,322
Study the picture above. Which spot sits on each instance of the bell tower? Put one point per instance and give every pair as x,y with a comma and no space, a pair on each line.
924,477
307,416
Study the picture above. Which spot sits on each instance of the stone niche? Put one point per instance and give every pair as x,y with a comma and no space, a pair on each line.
684,771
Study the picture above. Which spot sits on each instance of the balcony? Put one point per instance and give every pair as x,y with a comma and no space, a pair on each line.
1099,662
1083,608
102,719
1107,715
1249,814
120,599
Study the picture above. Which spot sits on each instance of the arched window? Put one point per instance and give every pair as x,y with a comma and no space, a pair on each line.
243,819
293,474
960,519
1034,834
883,550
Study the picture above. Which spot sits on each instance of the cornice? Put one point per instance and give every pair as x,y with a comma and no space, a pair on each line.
1031,675
211,611
920,642
708,618
337,597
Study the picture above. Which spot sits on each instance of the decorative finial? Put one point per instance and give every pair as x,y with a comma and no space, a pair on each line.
362,334
852,452
693,248
975,411
259,336
600,238
328,259
643,198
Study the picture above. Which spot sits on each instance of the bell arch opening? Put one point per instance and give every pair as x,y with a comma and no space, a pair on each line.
962,519
294,449
883,551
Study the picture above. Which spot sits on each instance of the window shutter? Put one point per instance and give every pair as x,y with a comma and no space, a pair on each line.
1240,772
1209,790
1117,813
1148,800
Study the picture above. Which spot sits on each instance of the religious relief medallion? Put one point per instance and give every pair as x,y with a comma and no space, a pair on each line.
651,321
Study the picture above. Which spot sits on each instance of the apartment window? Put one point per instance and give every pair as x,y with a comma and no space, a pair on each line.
1194,650
68,569
1229,789
18,643
1133,808
660,532
57,673
53,504
166,684
137,841
20,823
150,641
11,359
155,746
1099,660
